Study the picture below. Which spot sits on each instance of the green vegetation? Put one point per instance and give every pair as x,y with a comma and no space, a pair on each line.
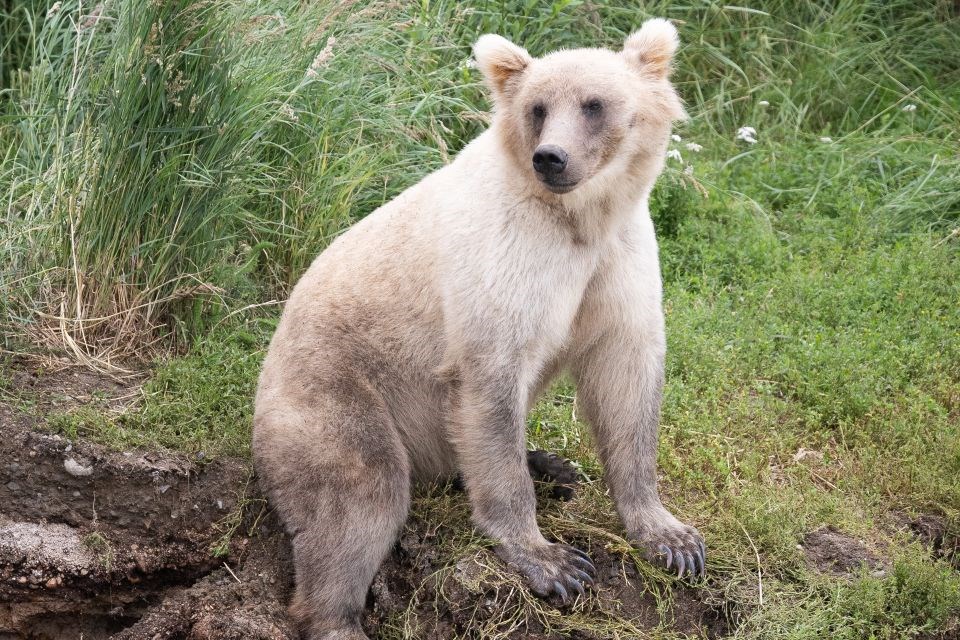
160,182
101,547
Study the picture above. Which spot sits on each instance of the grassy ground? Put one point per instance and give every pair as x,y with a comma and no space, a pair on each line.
810,278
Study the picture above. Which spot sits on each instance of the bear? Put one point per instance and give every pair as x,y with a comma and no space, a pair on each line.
413,347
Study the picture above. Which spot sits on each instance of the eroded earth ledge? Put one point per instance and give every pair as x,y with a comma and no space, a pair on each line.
99,544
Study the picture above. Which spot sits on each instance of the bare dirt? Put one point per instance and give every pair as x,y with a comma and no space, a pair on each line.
934,531
829,550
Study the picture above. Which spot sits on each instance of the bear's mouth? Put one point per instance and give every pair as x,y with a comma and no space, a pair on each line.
559,187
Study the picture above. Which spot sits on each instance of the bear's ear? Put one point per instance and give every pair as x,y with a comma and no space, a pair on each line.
500,61
650,50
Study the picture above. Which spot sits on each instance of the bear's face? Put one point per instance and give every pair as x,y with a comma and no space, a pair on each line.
583,117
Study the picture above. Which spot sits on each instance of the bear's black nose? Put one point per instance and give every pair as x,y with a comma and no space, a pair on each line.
549,160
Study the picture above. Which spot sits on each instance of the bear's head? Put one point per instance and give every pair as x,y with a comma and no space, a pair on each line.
585,120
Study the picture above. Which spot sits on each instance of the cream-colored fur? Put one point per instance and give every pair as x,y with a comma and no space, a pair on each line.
415,344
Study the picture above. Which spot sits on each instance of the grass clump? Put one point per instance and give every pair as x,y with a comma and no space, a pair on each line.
100,547
200,403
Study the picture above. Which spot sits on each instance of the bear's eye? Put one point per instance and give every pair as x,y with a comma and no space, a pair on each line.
539,112
593,107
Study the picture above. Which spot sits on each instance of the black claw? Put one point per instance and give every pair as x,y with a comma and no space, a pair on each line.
691,566
696,564
561,591
681,563
665,550
585,563
582,554
577,586
583,576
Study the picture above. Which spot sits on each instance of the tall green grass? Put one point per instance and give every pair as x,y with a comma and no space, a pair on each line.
167,163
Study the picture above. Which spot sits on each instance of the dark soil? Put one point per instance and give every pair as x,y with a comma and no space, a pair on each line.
103,544
831,551
471,596
934,531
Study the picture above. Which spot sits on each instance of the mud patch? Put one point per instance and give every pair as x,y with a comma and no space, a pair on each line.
91,539
478,596
935,531
831,551
247,603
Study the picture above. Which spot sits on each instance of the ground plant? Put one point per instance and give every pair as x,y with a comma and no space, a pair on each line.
169,168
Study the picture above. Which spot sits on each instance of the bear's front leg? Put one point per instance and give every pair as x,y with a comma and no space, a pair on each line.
619,388
487,431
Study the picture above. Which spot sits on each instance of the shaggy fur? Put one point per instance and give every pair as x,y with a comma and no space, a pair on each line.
414,346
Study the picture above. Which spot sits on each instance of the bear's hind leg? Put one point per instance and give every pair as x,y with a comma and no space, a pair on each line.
342,488
337,554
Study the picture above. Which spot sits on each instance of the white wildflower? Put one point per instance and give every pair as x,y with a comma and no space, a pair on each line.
466,64
52,11
747,134
676,138
688,170
764,103
826,139
675,155
693,146
322,58
288,113
909,108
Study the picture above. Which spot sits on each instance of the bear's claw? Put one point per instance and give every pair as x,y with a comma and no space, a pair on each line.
679,546
665,550
551,468
584,577
554,569
693,563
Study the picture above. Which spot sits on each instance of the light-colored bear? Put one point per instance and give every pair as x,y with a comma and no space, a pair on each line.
414,346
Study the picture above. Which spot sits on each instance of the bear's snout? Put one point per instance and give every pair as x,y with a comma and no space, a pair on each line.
549,161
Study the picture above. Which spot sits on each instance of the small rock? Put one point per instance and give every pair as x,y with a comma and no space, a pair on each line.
74,468
52,583
76,494
13,486
805,454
